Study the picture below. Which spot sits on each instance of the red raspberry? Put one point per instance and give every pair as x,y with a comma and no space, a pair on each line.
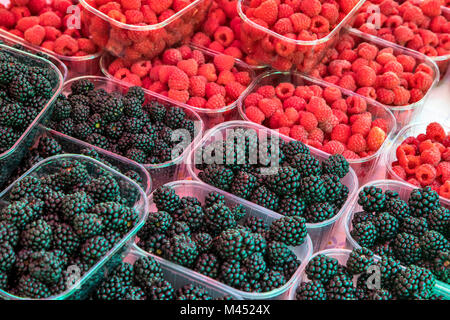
425,174
283,26
357,143
362,126
285,11
403,34
431,8
35,35
304,92
356,105
350,155
341,133
443,170
217,101
316,135
319,24
416,95
201,39
197,102
331,94
26,23
330,11
292,114
340,104
399,171
254,114
141,68
298,133
189,66
444,190
284,90
295,102
223,62
389,80
348,82
266,91
435,132
380,123
414,182
376,138
252,99
340,116
179,95
300,22
7,19
367,51
365,76
234,89
311,8
267,12
50,19
431,156
66,45
213,88
401,96
421,80
338,67
385,96
172,56
36,6
159,6
178,80
320,109
197,85
408,62
186,52
268,106
208,71
225,77
334,147
243,78
308,121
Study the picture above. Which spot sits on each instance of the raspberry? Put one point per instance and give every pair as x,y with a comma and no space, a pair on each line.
341,133
380,123
316,135
159,6
416,95
243,78
444,190
197,86
367,51
425,174
320,109
375,138
213,88
178,80
225,77
421,80
403,34
224,35
311,8
252,99
208,71
443,170
266,91
365,76
36,34
134,16
331,94
300,22
408,62
267,12
356,105
389,80
66,45
385,96
223,62
141,68
298,133
362,126
431,156
399,171
435,132
267,106
283,26
234,89
7,19
357,143
308,121
334,147
254,115
179,95
189,66
292,115
217,101
197,102
295,102
330,12
172,57
284,90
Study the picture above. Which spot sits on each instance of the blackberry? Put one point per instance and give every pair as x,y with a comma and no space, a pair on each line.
66,126
423,201
113,108
181,250
8,138
46,267
336,165
208,265
386,225
389,267
414,282
160,289
87,225
116,216
110,289
41,85
74,204
3,281
103,189
97,123
272,280
235,244
383,249
9,233
285,181
313,290
256,225
414,226
7,257
219,217
380,294
289,230
312,189
192,292
137,93
193,216
65,238
342,197
441,266
214,198
82,86
179,228
134,293
49,147
265,198
232,273
362,216
166,199
364,233
161,153
146,268
321,268
407,248
203,240
239,212
29,287
278,253
21,89
218,176
359,260
432,242
340,287
439,220
132,107
294,147
98,140
174,117
255,265
243,184
372,199
114,130
157,222
189,201
82,131
133,125
72,173
29,186
13,115
318,212
94,249
136,155
37,235
292,205
306,164
398,208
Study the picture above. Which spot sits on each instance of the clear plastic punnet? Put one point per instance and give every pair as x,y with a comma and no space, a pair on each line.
320,233
210,117
179,278
200,190
301,55
91,278
363,167
342,256
11,158
134,42
412,130
160,173
404,190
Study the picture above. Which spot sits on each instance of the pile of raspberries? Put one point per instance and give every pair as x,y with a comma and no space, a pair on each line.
187,75
319,117
381,73
48,25
425,160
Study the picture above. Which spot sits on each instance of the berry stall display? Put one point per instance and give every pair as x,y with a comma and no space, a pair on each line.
413,229
342,274
420,155
69,213
240,247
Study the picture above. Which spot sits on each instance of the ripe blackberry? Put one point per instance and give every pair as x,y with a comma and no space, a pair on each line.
97,123
272,280
8,138
214,198
372,199
66,126
441,266
255,265
159,289
293,148
432,242
87,225
383,249
3,281
37,235
312,189
439,220
154,244
82,86
174,117
94,249
232,273
192,292
362,216
189,201
389,267
239,212
132,107
423,201
98,140
113,108
41,85
364,233
407,248
136,93
103,189
82,131
289,230
386,225
112,288
136,155
277,254
340,287
342,197
65,238
318,212
333,187
166,199
313,290
157,222
285,181
46,267
7,257
414,282
179,228
265,198
134,293
243,184
193,216
74,204
203,240
48,147
306,164
414,226
218,176
256,225
336,165
219,217
72,173
116,216
321,268
398,208
9,233
181,250
359,260
29,287
291,205
13,115
146,268
29,186
235,244
21,89
133,125
156,111
207,264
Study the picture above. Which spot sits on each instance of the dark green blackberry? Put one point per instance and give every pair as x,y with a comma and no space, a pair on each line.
294,147
340,287
179,228
113,108
414,282
8,138
386,225
72,173
414,226
292,205
133,125
159,289
214,198
364,233
441,266
207,264
94,249
154,244
66,126
111,289
336,165
306,164
37,235
137,155
7,257
29,287
190,201
203,240
134,293
235,244
13,115
3,281
65,238
48,147
388,267
116,216
219,217
243,184
9,233
321,268
256,225
41,85
218,176
285,181
157,222
312,189
87,225
20,88
383,249
289,230
97,123
432,242
46,267
82,86
265,198
342,197
192,292
333,187
232,273
398,208
103,189
407,248
174,117
239,212
439,220
74,204
362,216
277,254
423,201
359,260
193,216
312,290
146,268
272,280
98,140
319,212
166,199
132,107
156,111
255,266
372,199
181,250
380,294
29,186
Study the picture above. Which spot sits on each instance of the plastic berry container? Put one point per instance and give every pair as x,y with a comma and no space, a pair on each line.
412,130
96,273
11,158
210,117
179,278
363,167
200,190
160,173
320,233
342,256
298,55
404,190
133,42
74,146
